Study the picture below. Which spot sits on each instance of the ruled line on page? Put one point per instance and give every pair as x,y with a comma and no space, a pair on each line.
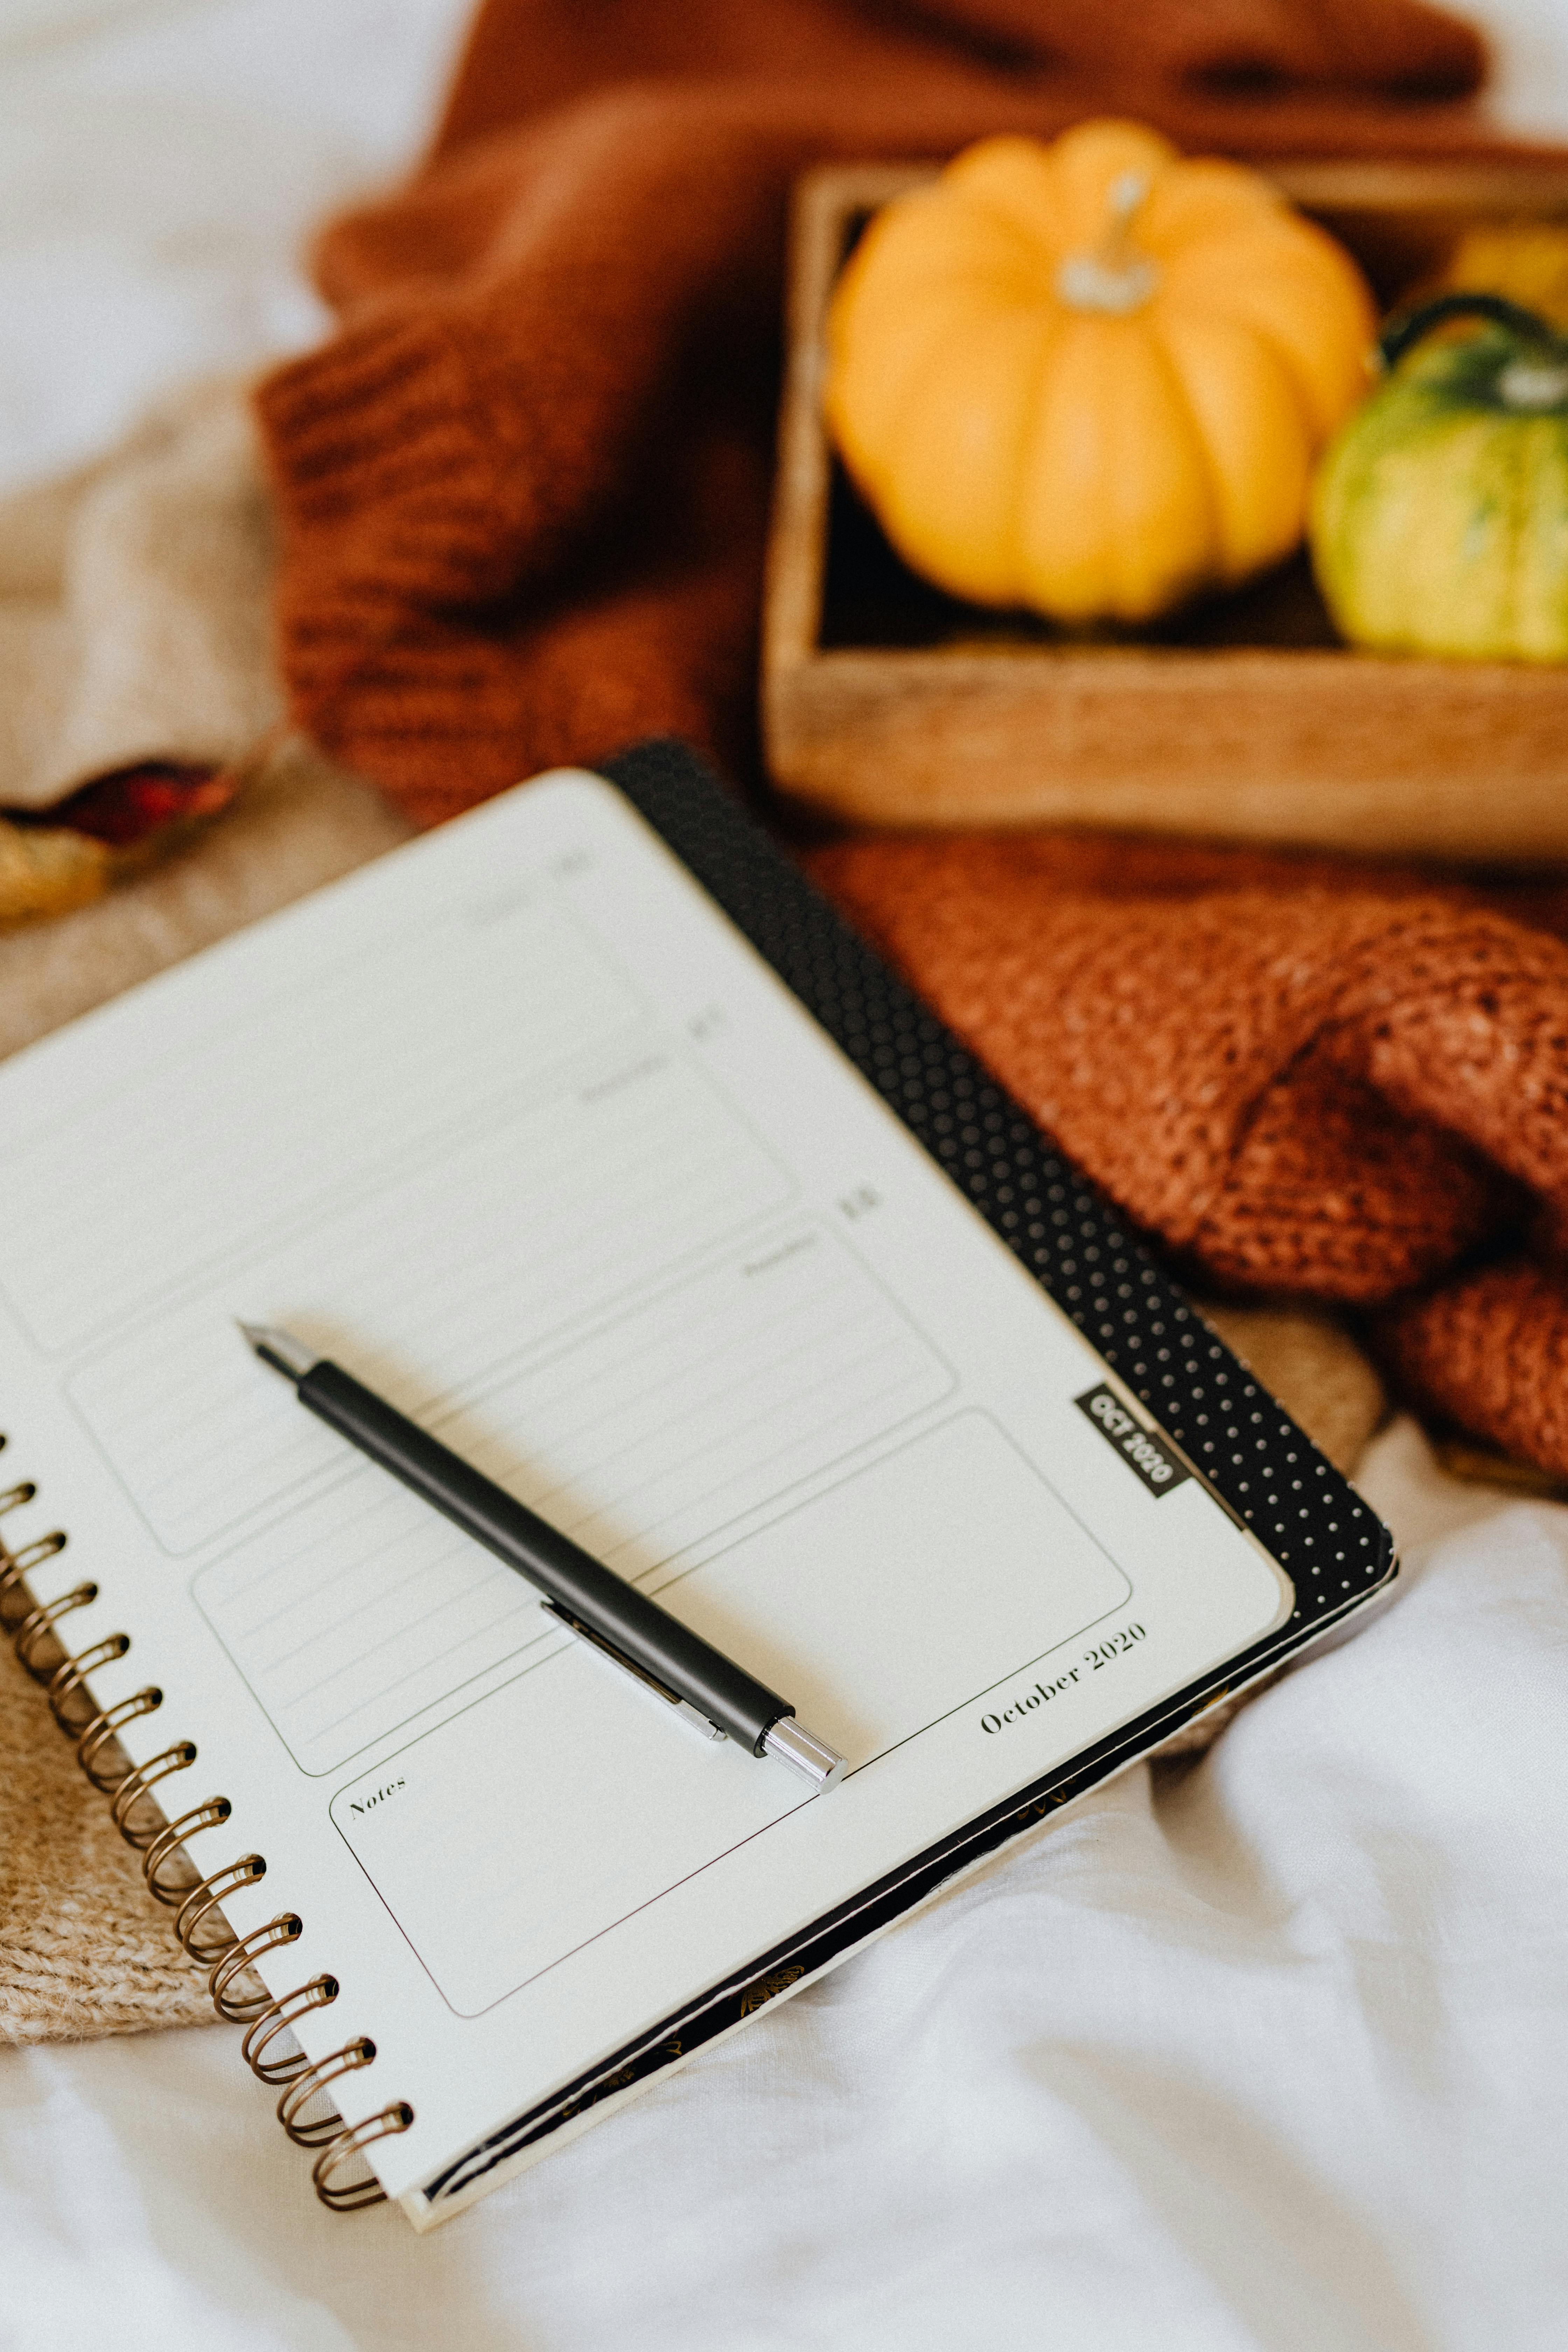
313,1097
429,1287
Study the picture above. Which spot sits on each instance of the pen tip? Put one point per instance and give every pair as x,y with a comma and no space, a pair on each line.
280,1348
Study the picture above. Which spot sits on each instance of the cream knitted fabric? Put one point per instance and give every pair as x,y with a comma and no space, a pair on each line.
134,606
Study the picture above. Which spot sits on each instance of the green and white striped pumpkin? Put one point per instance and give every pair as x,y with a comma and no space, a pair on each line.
1439,520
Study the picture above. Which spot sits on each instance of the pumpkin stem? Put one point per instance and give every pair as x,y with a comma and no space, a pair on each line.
1407,327
1118,278
1129,194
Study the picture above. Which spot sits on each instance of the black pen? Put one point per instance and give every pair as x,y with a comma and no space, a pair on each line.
589,1599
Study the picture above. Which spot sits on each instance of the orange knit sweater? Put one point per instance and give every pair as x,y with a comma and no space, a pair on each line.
522,497
1307,1079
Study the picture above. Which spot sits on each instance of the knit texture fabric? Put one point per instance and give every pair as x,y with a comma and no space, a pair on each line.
1262,1081
522,497
83,1947
1303,1085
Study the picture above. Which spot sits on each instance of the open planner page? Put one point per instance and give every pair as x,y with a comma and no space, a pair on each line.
517,1128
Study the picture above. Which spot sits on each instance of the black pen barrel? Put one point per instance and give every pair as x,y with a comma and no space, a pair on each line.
723,1692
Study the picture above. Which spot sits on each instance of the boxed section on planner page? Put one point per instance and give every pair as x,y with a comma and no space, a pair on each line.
554,1160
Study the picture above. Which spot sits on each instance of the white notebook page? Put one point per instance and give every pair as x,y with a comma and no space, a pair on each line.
519,1130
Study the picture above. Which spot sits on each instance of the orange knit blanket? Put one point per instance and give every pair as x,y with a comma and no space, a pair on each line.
1309,1079
522,497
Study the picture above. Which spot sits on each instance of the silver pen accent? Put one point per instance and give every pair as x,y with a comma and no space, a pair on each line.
693,1716
790,1743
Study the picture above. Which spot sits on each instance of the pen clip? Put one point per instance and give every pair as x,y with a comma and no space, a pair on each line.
687,1713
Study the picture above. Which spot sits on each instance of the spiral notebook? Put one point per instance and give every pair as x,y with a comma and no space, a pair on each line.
586,1131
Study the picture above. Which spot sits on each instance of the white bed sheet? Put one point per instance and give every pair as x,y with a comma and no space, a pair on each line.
1269,2056
162,163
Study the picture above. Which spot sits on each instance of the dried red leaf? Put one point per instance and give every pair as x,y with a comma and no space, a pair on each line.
127,807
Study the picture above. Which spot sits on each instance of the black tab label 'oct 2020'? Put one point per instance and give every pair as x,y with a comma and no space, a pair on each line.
1138,1446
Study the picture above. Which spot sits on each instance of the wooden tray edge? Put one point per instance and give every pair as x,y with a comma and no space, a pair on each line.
1507,801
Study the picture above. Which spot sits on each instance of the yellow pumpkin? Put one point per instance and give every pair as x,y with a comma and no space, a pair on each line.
1092,378
1526,261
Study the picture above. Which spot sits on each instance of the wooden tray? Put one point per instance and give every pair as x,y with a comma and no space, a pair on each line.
888,703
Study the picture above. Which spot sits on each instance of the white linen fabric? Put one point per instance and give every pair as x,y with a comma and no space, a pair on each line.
1262,2055
161,164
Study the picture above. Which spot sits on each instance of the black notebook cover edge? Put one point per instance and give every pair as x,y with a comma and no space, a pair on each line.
1264,1469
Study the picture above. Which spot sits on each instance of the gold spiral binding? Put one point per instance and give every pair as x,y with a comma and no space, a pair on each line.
304,2087
71,1676
277,2018
244,2008
42,1619
29,1625
205,1899
97,1734
168,1843
140,1784
351,2196
21,1564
